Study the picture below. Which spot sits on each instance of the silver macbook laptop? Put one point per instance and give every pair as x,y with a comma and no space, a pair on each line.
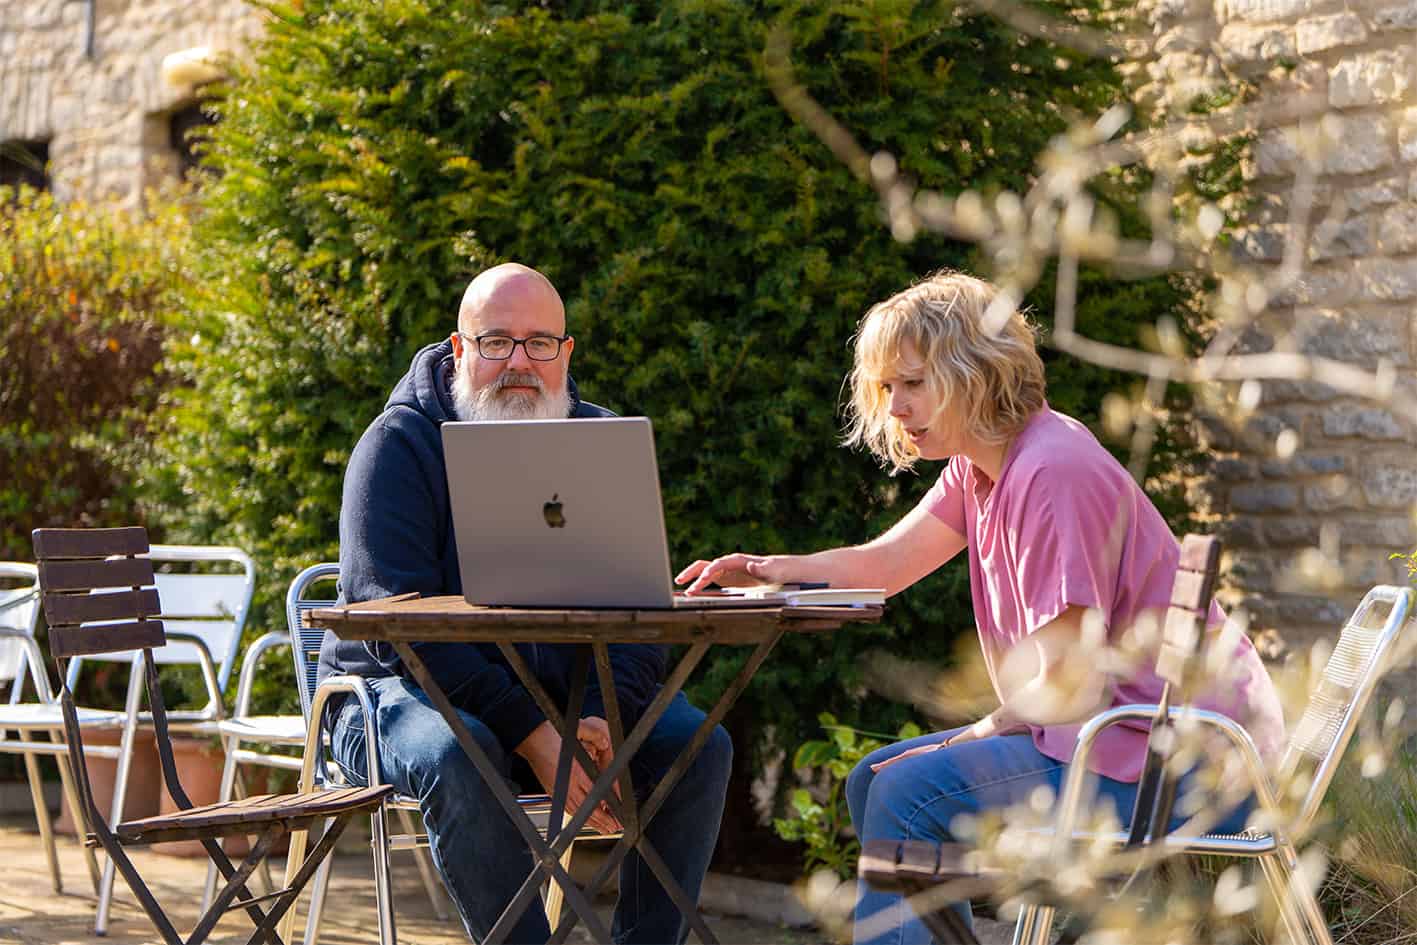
561,513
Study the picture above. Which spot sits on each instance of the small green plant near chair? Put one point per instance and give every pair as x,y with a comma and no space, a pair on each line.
823,826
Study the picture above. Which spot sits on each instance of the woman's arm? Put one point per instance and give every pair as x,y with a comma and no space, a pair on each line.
1054,676
912,548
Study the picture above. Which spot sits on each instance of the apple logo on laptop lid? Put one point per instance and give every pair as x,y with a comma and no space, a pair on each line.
551,511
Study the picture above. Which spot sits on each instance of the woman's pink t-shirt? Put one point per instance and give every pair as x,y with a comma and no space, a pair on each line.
1067,525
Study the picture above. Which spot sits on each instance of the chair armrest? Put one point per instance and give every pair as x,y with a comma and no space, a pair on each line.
249,662
1071,798
357,687
215,707
34,661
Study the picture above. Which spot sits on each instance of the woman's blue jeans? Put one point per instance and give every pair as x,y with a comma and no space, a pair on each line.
918,799
478,850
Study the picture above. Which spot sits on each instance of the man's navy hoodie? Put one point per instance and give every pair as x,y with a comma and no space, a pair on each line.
396,536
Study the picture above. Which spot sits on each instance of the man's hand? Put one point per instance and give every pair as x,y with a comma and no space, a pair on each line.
542,749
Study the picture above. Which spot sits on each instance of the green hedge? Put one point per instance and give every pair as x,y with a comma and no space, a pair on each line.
714,256
84,301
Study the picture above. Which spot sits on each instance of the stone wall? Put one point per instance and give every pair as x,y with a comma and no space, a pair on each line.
105,117
1313,515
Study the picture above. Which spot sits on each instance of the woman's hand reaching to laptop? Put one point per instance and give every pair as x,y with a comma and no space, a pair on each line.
736,570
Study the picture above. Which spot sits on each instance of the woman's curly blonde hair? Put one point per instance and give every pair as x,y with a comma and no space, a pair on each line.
996,378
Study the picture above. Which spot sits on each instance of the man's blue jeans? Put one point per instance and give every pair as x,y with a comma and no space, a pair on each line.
918,798
477,849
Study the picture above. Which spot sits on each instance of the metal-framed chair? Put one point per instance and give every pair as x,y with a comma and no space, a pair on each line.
933,873
313,700
1316,745
208,609
21,660
1365,648
100,598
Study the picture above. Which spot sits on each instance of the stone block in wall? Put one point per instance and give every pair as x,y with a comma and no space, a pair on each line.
1377,194
1184,37
1397,229
1346,236
1285,391
1291,532
1332,493
1307,609
1390,485
1371,78
1260,243
1387,280
1352,143
1318,286
1391,531
1232,469
1242,45
1356,339
1241,533
1264,497
1364,422
1263,11
1407,135
1398,16
1318,33
1305,464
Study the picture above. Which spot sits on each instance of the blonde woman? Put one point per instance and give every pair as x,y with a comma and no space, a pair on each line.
1065,552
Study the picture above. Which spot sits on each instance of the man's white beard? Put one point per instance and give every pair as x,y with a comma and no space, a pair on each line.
490,403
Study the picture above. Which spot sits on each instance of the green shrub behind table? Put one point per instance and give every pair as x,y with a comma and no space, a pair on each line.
714,256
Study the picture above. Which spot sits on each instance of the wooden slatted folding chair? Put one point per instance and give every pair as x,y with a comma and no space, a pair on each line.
99,598
925,870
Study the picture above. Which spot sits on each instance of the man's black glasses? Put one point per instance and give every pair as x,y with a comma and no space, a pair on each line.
500,347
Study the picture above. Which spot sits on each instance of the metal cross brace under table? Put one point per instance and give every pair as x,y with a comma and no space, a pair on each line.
404,620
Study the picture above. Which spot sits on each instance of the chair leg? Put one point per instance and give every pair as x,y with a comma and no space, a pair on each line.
317,902
228,782
120,790
41,815
383,886
1284,890
1034,925
1298,910
431,884
555,895
281,908
293,859
71,792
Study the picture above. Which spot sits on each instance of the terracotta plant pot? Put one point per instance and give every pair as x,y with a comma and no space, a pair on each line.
144,777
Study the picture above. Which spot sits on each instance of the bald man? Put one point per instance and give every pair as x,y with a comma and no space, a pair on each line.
508,359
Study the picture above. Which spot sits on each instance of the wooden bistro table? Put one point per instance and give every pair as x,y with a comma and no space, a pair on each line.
408,619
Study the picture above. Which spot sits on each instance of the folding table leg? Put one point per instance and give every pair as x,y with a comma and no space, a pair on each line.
666,784
548,860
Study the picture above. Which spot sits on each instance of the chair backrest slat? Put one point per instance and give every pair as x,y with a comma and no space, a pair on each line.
304,638
112,605
84,575
105,638
89,542
86,565
1191,593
